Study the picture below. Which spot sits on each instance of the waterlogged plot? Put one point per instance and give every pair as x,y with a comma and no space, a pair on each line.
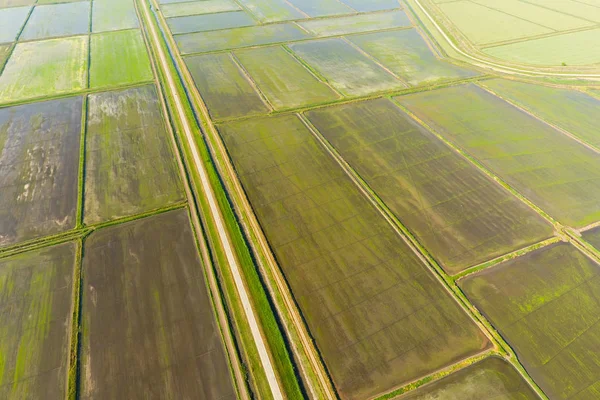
356,23
48,67
209,22
273,10
39,161
112,15
322,8
546,305
571,110
554,171
345,67
484,25
372,5
492,378
569,48
223,86
283,80
198,7
55,20
148,326
460,215
407,54
119,58
35,322
11,22
239,37
130,166
378,316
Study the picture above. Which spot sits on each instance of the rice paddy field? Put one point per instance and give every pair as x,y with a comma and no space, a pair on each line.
378,315
542,33
546,305
431,223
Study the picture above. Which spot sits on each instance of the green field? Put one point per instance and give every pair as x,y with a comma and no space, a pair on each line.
546,305
571,110
554,171
198,7
482,25
15,3
130,167
372,5
119,58
273,10
11,21
285,82
148,326
346,68
407,54
460,215
356,23
48,67
593,237
377,314
569,48
492,378
201,42
35,323
579,9
224,87
322,8
39,159
57,20
112,15
210,22
4,51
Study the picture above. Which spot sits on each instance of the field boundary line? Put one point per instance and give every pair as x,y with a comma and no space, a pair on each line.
250,80
531,113
295,328
45,241
496,340
73,370
81,170
498,67
216,216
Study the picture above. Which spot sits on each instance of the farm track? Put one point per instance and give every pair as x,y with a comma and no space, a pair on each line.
320,385
497,67
216,215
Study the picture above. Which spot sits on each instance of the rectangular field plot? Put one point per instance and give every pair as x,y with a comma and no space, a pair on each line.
283,80
554,171
572,110
119,58
130,167
356,23
460,215
346,68
546,305
539,15
112,15
55,20
239,37
35,323
224,87
377,314
48,67
322,8
148,325
11,22
210,22
372,5
39,163
569,48
407,55
198,7
492,378
572,7
273,10
483,25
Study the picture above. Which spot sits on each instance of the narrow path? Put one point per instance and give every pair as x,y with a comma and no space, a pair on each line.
208,192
